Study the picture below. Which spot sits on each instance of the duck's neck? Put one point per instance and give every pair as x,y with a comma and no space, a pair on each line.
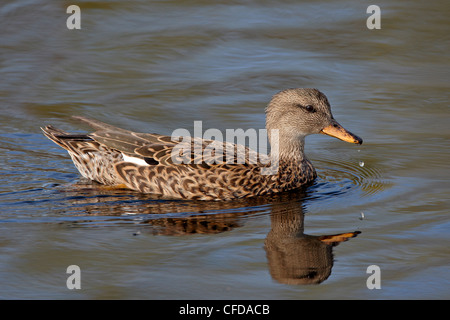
289,150
292,168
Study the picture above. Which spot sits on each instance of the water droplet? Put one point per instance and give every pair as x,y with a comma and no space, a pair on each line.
361,163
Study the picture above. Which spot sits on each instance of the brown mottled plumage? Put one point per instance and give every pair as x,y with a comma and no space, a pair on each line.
104,156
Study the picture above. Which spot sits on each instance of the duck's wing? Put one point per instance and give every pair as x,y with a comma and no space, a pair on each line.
157,149
123,140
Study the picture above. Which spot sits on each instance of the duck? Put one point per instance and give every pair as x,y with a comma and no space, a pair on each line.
168,168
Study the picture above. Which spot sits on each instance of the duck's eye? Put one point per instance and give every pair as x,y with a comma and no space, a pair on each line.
310,108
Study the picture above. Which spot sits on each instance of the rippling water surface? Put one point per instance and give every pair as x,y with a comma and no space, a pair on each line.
157,66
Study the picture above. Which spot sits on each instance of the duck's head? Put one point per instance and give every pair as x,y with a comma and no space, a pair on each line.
297,113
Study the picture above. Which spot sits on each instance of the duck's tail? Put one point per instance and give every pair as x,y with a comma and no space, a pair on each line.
63,138
92,160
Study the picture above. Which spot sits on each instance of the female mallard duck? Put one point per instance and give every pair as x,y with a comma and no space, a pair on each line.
146,163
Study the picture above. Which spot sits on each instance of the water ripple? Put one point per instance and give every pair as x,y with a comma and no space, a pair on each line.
341,175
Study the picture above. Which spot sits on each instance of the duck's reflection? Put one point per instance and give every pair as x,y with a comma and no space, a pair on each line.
214,223
293,256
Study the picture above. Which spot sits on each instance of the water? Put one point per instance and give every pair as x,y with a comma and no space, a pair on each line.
158,66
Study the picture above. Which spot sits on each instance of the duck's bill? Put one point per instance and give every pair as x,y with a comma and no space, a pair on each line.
337,131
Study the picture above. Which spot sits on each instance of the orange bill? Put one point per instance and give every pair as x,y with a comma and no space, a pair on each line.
336,238
337,131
